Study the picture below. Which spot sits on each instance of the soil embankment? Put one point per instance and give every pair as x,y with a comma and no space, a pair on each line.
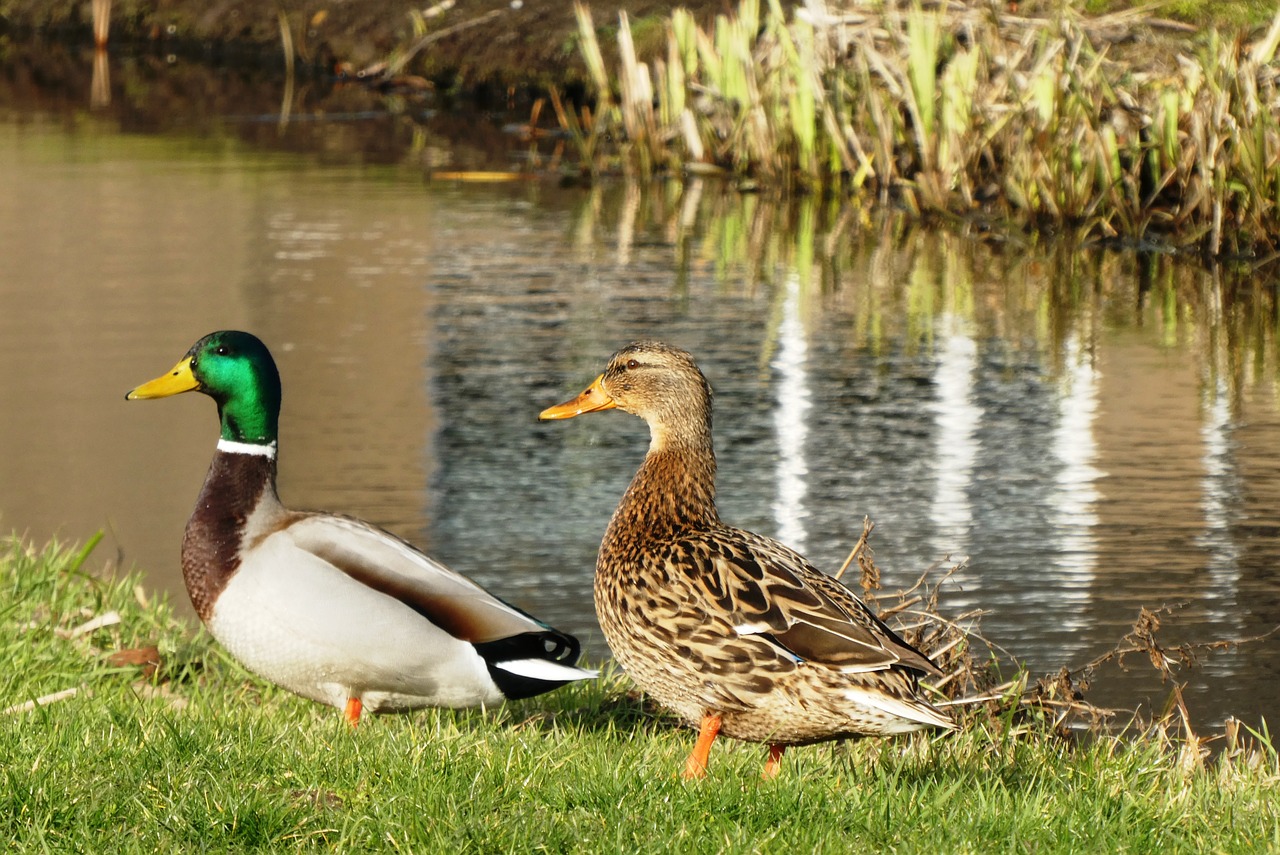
476,42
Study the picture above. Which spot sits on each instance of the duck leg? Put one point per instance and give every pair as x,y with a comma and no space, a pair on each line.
696,765
352,711
773,764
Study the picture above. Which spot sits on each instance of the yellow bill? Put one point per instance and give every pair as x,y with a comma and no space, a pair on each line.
180,379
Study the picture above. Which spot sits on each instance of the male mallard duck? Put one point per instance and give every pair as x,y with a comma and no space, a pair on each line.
327,606
732,631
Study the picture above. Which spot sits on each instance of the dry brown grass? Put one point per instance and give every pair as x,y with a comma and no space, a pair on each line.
975,668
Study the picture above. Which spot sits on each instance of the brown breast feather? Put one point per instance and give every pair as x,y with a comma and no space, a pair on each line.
232,490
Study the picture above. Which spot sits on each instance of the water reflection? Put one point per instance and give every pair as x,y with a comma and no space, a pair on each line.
968,397
790,419
100,87
1076,493
1221,484
1220,487
956,417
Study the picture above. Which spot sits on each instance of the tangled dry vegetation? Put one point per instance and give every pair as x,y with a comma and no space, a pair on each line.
974,682
959,109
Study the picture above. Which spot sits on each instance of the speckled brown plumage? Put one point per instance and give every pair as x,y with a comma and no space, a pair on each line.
715,622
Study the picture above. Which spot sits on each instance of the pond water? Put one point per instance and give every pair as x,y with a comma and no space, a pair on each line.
1090,432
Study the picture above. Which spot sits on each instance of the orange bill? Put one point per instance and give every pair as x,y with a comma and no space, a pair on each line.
591,401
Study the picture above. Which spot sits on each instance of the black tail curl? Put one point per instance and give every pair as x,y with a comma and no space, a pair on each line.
553,646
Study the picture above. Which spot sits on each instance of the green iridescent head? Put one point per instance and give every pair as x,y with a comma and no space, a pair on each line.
237,371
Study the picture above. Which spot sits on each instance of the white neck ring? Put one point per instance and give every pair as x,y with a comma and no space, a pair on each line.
230,446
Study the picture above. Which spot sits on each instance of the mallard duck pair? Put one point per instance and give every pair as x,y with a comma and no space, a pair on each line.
733,632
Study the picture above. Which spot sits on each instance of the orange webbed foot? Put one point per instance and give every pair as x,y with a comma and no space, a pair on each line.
773,765
696,765
352,711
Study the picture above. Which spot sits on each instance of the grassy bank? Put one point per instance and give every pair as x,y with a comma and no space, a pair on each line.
200,755
1123,127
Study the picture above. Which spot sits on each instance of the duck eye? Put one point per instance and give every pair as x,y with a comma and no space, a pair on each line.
633,363
222,350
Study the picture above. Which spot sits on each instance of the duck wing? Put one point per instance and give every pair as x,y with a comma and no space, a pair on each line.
452,602
772,592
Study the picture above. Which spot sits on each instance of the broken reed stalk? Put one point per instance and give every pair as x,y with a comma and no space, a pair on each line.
960,109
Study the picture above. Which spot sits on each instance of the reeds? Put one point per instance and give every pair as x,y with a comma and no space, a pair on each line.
958,109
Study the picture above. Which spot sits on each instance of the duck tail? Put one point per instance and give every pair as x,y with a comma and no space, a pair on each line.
531,663
903,713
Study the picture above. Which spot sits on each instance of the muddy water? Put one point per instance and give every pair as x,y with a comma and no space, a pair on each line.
1085,433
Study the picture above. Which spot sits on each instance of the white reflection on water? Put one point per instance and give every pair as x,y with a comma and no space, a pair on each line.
956,418
791,418
1219,485
1221,481
1076,495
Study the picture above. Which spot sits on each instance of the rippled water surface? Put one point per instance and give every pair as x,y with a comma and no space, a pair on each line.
1089,432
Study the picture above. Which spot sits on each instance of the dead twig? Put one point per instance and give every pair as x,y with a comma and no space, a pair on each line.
43,700
867,526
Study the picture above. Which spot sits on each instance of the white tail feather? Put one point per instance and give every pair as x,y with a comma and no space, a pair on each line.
542,669
914,715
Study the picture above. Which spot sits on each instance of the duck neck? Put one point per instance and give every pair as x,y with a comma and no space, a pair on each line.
673,492
237,502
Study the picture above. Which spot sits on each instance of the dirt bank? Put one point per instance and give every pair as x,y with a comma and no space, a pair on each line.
476,42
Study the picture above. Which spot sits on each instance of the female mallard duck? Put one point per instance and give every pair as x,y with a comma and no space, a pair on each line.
327,606
733,632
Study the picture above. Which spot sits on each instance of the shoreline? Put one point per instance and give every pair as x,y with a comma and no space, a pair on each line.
1123,127
474,44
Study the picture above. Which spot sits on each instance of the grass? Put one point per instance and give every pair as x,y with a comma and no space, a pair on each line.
1056,121
202,756
1211,13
